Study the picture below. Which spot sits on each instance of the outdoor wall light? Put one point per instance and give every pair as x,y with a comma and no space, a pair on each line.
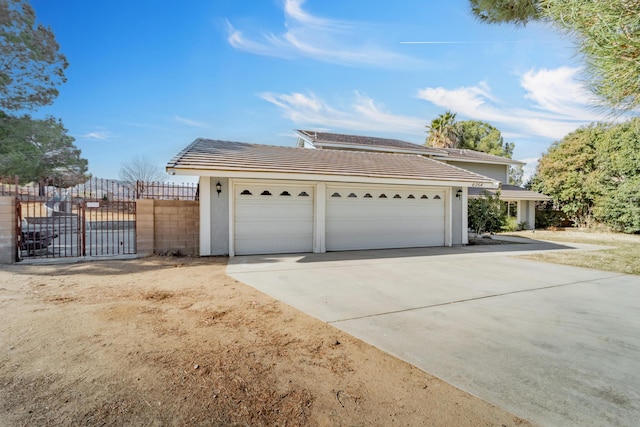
219,188
459,193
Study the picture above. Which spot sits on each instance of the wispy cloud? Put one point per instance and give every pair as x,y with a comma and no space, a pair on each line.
560,92
99,134
321,39
552,105
363,114
558,104
189,122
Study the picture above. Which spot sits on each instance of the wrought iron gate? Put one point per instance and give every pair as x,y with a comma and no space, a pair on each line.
96,218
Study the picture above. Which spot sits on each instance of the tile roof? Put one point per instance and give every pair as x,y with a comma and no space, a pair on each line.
226,156
334,139
510,193
321,138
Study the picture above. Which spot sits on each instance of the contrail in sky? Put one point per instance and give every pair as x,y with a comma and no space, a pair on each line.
481,42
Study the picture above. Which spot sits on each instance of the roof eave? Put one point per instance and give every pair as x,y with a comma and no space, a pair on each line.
373,179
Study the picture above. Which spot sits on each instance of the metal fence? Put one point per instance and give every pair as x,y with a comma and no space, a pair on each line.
166,191
95,218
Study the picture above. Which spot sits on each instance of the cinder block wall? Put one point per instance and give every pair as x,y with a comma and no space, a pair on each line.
144,227
168,226
7,230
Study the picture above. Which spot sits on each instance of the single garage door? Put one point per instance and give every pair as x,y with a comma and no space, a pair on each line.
273,219
377,218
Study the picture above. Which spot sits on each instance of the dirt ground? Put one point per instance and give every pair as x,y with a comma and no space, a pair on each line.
174,341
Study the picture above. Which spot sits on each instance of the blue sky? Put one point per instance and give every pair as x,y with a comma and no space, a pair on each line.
148,77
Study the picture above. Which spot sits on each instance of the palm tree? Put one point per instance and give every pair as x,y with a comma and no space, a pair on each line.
442,131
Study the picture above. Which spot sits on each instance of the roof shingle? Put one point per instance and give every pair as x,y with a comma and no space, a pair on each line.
215,155
321,138
326,139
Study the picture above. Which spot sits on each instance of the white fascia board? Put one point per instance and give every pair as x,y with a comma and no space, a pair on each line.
305,137
541,198
337,178
526,198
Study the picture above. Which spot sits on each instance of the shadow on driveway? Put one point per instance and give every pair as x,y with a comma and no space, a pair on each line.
505,246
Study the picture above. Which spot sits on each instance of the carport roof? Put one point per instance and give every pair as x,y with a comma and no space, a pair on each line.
226,158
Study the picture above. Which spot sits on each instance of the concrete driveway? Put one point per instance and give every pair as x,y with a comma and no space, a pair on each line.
557,345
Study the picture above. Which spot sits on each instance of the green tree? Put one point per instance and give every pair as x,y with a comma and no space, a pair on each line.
39,151
594,174
518,12
621,209
486,213
567,172
516,174
618,167
442,131
31,66
481,136
606,34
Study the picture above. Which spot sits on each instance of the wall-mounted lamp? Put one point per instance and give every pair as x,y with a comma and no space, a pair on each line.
459,193
219,188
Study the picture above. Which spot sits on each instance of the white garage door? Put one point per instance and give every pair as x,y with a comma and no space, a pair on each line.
377,218
273,219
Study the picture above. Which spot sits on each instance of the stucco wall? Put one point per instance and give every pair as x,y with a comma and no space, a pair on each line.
214,216
527,213
7,230
497,172
458,209
167,226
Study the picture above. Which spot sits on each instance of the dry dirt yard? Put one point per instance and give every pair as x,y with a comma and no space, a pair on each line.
174,341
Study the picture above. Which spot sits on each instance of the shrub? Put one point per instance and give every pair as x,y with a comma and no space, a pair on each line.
487,213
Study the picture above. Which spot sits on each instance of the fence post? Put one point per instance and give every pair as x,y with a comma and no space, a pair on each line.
145,226
8,223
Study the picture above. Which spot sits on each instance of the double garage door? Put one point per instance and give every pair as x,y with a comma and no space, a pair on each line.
280,218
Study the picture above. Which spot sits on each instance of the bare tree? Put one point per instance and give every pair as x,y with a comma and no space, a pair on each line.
141,168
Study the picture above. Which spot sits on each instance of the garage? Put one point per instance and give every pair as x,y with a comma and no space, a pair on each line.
384,217
258,199
273,219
